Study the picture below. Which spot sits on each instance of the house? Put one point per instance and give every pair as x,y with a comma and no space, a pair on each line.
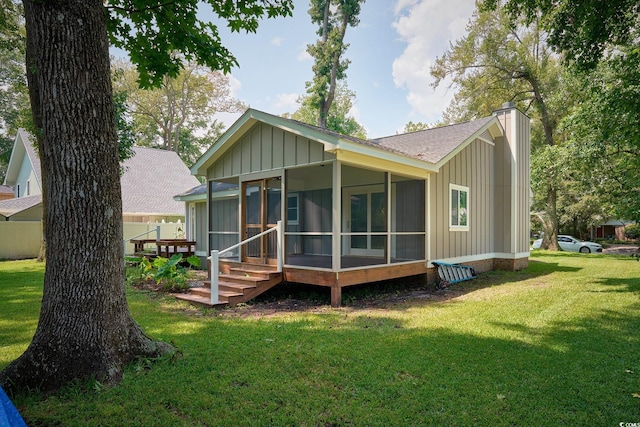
611,229
6,192
150,180
355,211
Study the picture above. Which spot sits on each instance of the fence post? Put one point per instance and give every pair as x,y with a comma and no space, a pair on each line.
279,238
158,239
214,277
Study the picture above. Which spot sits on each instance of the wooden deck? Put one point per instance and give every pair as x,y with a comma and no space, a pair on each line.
164,247
241,282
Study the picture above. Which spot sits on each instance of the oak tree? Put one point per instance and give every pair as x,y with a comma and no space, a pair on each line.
179,114
85,328
499,60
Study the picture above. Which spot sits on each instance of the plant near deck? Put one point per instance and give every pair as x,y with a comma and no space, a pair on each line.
166,272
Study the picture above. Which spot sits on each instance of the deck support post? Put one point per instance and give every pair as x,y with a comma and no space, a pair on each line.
213,280
336,296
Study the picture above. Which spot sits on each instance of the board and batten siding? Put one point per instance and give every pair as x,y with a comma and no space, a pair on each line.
473,168
264,148
513,184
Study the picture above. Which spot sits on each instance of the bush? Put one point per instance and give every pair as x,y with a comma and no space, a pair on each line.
168,273
632,231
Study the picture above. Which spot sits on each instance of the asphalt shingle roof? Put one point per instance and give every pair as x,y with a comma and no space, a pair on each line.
12,206
432,145
152,177
6,189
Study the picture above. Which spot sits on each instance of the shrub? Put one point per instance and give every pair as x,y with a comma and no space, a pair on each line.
632,231
168,273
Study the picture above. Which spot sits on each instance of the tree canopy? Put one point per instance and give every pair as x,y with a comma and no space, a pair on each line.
14,97
503,60
178,115
332,17
584,31
339,117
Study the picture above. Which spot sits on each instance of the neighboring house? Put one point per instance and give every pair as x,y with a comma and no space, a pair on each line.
151,178
6,192
612,229
358,211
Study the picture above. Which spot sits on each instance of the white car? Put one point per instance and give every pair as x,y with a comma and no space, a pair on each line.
571,244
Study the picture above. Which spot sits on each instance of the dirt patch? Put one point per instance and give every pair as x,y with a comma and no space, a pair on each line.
620,249
298,298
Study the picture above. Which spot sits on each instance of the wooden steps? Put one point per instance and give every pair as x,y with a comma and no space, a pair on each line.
237,283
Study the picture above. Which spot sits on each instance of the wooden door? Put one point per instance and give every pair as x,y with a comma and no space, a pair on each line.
261,211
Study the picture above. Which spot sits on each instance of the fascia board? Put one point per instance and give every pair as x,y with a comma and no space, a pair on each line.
401,162
244,123
13,167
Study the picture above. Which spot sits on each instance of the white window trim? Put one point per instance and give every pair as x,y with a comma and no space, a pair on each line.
459,188
297,220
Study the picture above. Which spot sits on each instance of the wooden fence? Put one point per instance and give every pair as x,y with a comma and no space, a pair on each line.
21,239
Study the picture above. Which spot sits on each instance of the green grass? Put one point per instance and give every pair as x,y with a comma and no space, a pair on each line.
555,344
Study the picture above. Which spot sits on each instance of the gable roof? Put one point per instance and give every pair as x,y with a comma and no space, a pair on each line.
23,146
416,153
151,178
16,205
433,145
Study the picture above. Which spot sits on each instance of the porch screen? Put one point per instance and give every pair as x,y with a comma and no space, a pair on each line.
224,217
308,225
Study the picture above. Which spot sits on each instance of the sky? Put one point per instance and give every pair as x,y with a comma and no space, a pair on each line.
391,52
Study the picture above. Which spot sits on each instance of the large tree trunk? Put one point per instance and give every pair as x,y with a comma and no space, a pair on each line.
550,222
85,328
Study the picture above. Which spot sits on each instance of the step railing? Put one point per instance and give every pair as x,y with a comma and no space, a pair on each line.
215,257
125,241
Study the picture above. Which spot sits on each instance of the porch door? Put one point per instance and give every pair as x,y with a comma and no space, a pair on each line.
262,211
365,213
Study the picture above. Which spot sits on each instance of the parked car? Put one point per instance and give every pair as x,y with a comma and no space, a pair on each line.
571,244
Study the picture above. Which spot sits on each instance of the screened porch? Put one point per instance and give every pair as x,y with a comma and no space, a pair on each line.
366,218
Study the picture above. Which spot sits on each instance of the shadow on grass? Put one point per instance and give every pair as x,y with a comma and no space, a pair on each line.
491,362
296,296
335,369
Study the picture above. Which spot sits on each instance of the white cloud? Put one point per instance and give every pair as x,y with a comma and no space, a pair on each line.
303,55
427,27
277,41
286,102
234,86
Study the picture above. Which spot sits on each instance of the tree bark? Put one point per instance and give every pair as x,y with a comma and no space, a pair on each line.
85,328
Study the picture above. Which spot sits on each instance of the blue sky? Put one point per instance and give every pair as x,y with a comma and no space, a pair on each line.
391,51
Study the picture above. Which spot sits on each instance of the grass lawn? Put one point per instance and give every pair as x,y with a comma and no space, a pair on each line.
555,344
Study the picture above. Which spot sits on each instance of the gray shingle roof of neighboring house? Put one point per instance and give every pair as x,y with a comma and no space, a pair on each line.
13,206
6,189
152,177
432,145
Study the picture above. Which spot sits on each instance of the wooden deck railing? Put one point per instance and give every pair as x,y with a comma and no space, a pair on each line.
215,257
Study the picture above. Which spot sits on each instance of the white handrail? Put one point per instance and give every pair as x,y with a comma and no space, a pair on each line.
124,241
215,258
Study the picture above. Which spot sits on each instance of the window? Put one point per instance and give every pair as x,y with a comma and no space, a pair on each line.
292,209
459,207
28,192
